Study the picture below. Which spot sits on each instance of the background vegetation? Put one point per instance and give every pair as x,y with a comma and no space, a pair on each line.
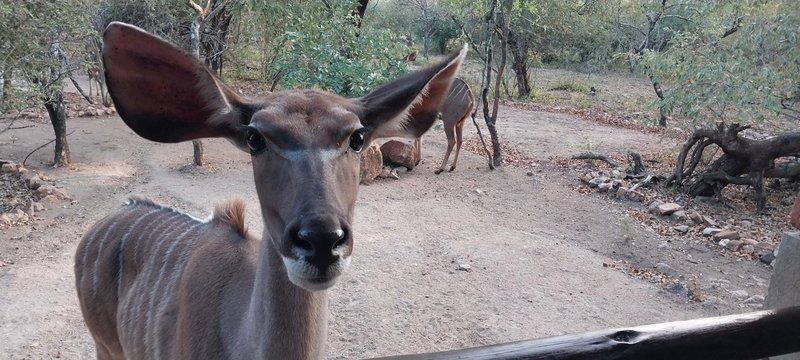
706,61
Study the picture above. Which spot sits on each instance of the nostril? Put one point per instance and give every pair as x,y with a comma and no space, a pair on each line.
302,240
341,238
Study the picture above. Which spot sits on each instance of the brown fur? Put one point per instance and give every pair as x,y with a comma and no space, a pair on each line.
232,214
456,108
155,283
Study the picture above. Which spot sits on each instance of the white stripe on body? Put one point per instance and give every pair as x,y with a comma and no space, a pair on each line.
175,272
152,293
124,240
140,285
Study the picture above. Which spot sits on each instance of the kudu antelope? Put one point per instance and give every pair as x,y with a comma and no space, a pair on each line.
154,283
455,110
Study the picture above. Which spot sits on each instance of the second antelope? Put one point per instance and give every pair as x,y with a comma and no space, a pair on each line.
154,283
455,110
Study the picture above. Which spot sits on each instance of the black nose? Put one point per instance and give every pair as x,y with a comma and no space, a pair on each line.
318,237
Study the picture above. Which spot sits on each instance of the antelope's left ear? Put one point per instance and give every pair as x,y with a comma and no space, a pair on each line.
408,106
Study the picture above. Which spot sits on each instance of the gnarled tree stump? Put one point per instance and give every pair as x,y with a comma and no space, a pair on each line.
744,161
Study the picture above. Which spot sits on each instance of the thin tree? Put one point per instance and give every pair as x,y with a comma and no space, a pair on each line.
194,46
490,114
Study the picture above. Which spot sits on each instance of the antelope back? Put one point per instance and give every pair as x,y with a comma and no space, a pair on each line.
137,275
458,103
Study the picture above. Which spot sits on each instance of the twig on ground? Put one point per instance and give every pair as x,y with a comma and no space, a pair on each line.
40,147
594,156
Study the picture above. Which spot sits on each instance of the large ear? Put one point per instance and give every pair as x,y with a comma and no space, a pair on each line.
164,94
408,106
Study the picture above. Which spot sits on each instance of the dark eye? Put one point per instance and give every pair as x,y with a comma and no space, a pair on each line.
357,140
255,141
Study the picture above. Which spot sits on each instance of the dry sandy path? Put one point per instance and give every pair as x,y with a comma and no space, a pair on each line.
536,247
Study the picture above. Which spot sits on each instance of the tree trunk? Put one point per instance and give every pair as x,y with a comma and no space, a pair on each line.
194,45
497,150
215,36
491,18
6,83
519,50
58,118
426,44
744,162
662,113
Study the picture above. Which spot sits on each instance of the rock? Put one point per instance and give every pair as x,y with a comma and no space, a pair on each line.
371,163
664,246
665,268
37,207
464,267
710,231
393,174
479,191
726,234
595,182
46,190
8,168
400,153
622,192
653,207
7,219
28,207
35,182
787,201
682,229
50,200
586,178
615,184
739,294
732,245
750,242
767,258
709,221
679,216
795,215
635,196
723,242
747,249
746,223
21,215
616,174
754,299
667,209
680,290
695,216
603,187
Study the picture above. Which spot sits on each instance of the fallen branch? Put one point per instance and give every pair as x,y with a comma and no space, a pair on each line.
40,147
594,156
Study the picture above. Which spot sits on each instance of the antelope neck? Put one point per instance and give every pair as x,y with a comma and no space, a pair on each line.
296,319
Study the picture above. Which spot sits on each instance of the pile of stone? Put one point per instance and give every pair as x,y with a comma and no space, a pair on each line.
684,222
92,111
613,184
38,192
725,236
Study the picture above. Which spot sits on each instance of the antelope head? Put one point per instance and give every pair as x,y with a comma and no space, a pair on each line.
304,144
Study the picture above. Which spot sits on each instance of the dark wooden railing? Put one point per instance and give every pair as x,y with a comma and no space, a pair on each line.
745,336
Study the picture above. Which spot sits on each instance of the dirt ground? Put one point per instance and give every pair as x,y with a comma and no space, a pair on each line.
535,246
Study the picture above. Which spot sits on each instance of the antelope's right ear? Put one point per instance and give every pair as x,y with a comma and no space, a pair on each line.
166,95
